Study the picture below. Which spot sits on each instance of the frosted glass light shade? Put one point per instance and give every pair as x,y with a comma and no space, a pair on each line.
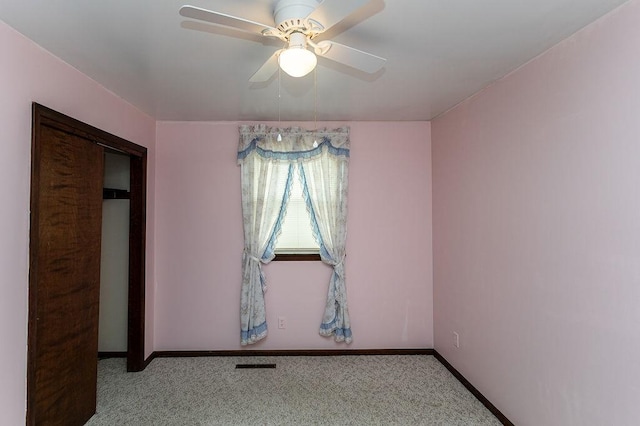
297,61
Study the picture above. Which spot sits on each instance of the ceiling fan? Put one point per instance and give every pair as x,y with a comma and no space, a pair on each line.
298,23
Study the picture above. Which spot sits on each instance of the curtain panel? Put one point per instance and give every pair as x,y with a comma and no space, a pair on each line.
322,158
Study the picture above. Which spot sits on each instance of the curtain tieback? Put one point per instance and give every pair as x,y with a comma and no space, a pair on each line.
341,261
250,256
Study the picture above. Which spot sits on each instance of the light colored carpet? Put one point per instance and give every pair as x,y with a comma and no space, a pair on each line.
338,390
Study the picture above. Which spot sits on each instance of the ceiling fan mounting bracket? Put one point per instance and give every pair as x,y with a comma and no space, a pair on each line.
320,48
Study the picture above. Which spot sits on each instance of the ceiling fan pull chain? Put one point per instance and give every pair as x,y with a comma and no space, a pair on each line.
279,125
315,106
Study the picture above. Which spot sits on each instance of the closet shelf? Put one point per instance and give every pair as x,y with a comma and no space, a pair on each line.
115,194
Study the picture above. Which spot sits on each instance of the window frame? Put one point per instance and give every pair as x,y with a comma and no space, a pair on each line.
297,257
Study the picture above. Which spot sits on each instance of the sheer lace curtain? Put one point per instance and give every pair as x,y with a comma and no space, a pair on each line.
262,200
322,157
325,188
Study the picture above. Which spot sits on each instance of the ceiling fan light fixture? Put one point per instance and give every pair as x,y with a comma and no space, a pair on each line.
297,61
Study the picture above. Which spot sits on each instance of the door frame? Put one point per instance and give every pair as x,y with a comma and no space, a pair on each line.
43,116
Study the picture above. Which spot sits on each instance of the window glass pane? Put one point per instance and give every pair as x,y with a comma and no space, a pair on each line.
296,235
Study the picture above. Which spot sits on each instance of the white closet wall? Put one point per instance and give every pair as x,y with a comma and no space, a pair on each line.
114,265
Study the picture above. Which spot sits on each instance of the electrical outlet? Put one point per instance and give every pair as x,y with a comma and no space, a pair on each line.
282,322
456,339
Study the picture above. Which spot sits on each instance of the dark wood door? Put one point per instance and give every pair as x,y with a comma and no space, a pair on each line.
65,278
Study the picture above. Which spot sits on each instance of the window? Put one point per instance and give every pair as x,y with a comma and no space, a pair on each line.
296,239
265,154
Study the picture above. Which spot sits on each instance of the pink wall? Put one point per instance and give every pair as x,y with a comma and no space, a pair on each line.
537,230
199,244
28,74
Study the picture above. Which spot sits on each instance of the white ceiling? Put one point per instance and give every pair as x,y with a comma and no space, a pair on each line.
438,53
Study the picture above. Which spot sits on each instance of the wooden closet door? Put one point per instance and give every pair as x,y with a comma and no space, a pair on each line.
65,278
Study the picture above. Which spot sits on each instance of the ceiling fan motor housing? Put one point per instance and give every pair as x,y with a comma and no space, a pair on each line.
289,15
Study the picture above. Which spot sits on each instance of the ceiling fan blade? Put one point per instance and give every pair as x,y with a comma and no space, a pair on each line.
330,12
267,69
354,58
224,19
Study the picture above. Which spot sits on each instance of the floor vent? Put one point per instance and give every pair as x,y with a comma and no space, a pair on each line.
255,366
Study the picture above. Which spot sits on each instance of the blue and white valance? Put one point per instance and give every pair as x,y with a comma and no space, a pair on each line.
295,144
